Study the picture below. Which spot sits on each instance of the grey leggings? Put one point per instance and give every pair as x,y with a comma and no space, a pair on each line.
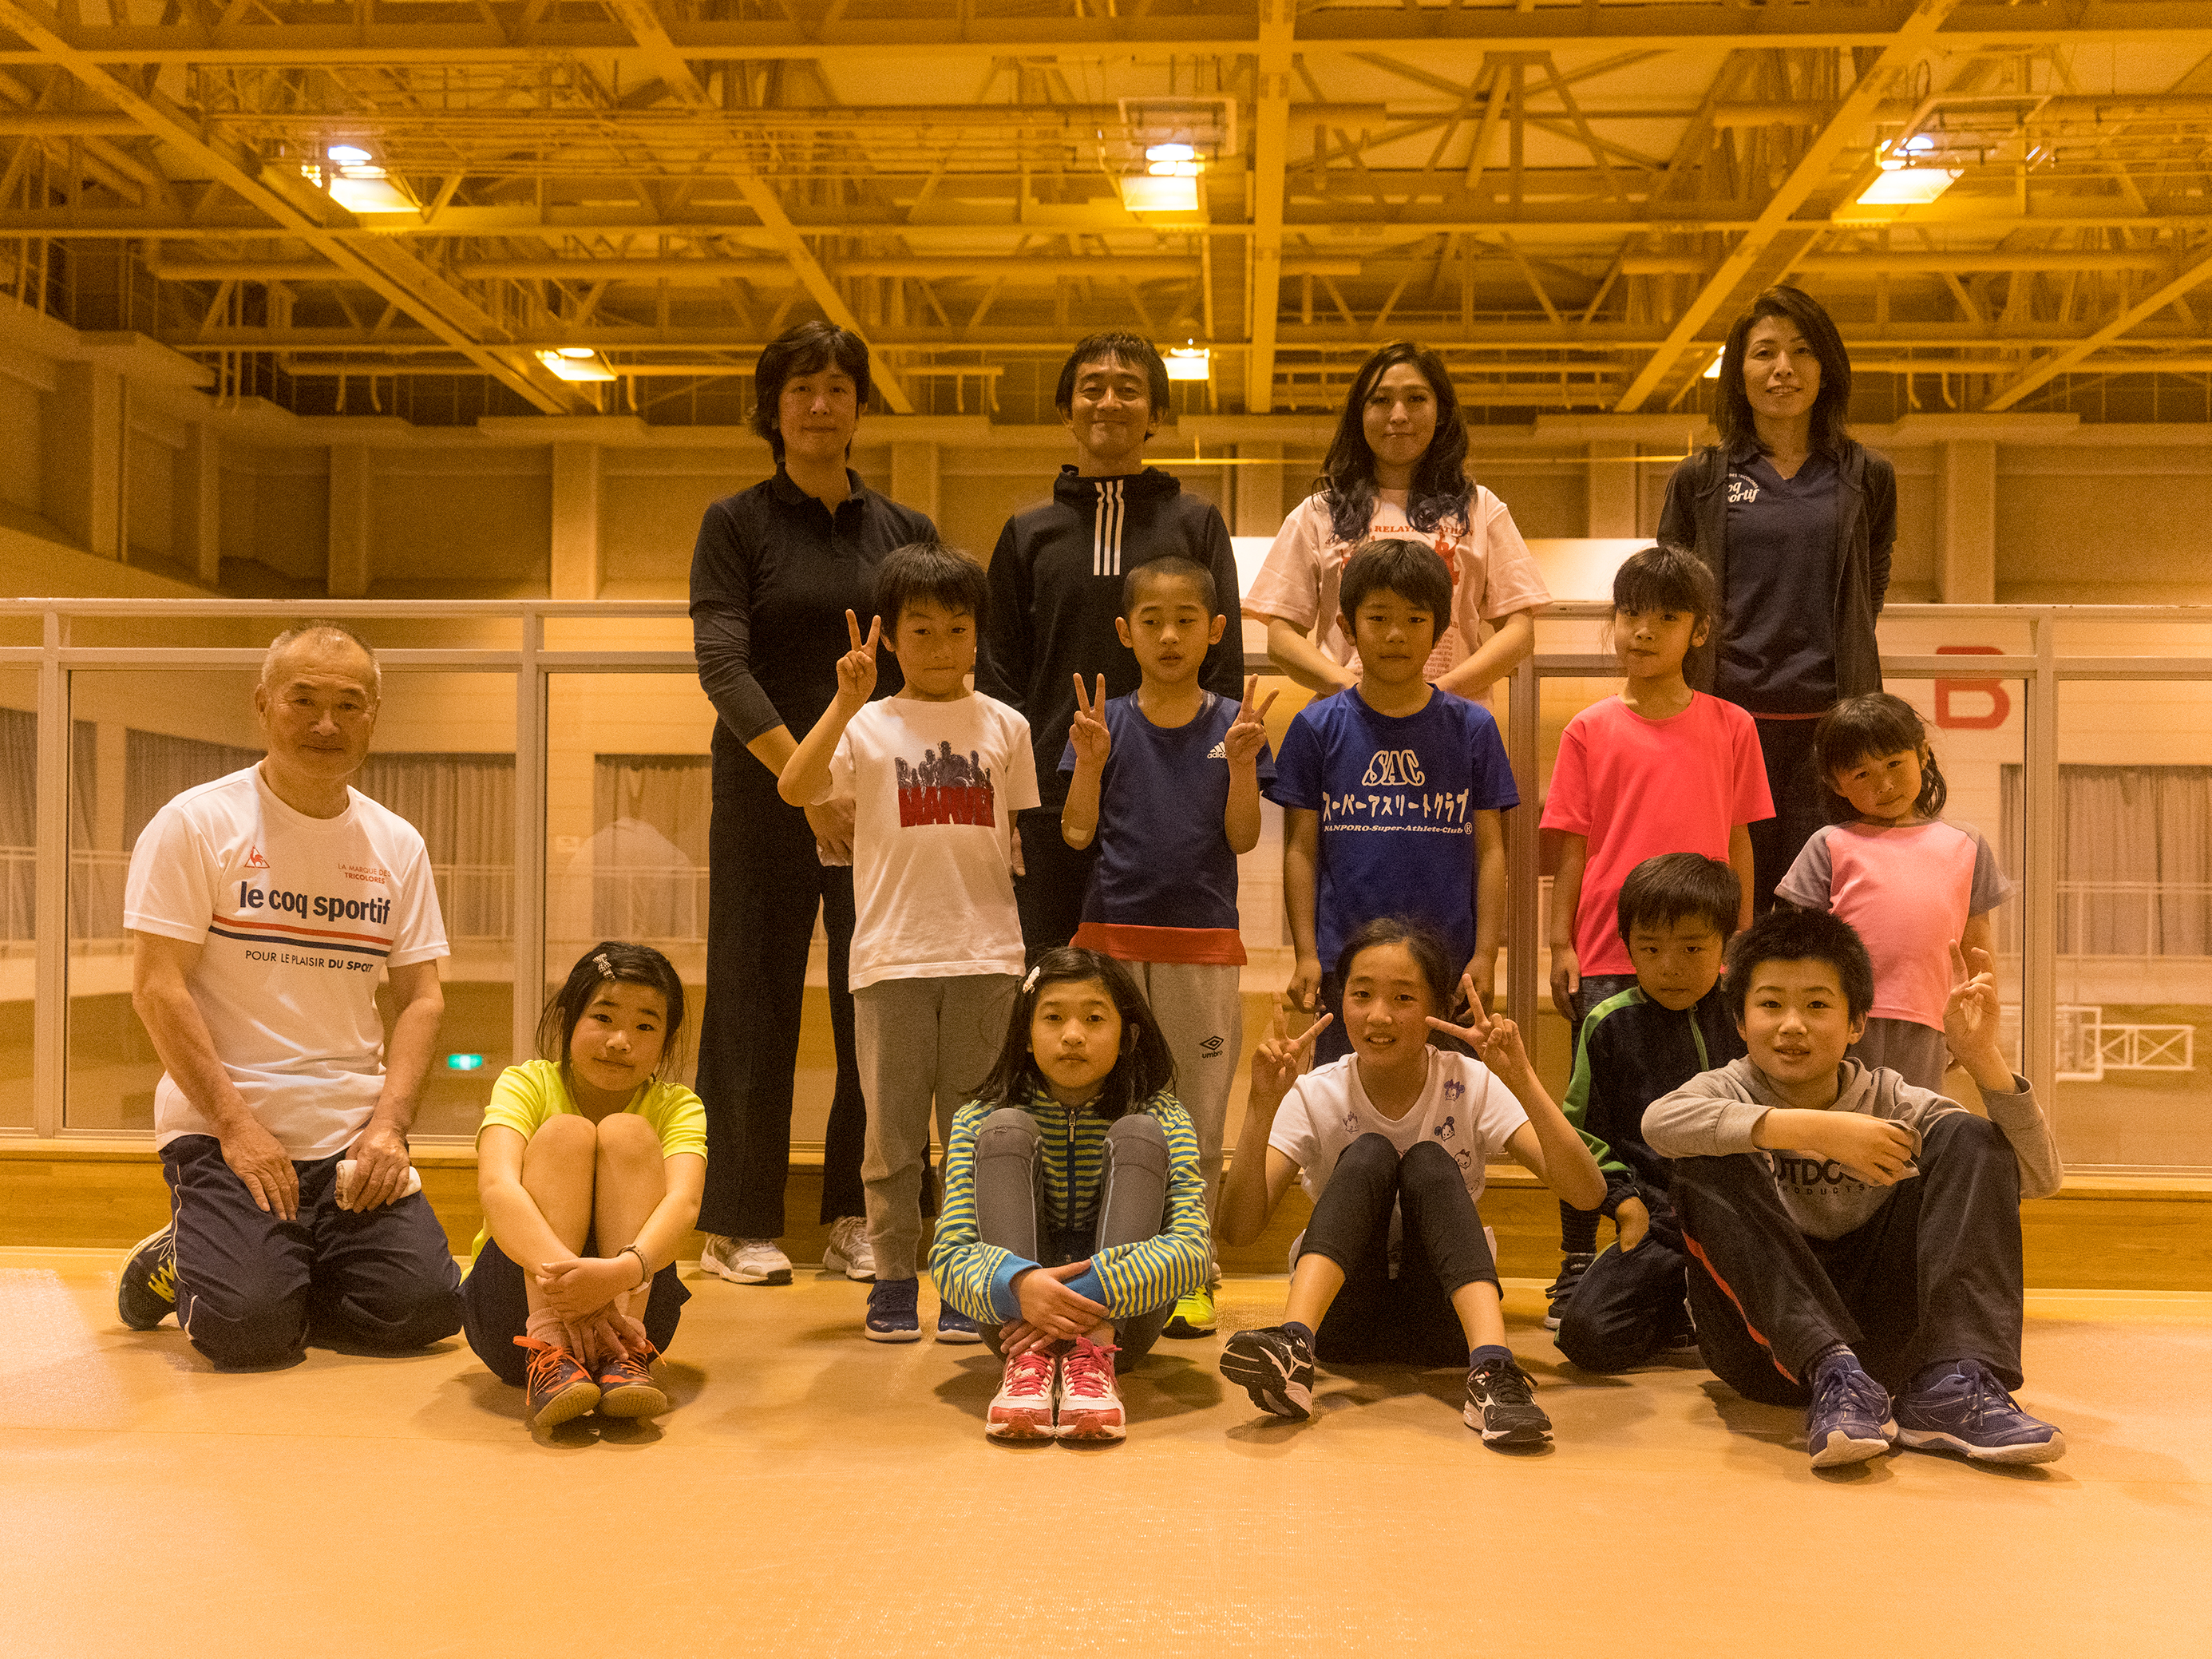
1013,1212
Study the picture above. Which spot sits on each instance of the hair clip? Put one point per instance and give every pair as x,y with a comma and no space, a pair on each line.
606,969
1029,984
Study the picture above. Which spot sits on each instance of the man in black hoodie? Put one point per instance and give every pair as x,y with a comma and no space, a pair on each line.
1056,586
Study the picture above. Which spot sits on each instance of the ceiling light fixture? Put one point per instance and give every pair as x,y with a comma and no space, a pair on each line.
1170,153
1713,369
1141,194
1189,362
1907,186
348,155
576,363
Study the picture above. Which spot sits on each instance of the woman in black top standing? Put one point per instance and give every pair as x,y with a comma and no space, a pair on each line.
775,571
1796,519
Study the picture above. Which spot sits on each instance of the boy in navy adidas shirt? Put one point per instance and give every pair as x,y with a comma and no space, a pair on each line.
1391,791
1166,781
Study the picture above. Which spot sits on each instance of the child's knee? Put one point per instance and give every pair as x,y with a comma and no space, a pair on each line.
627,1140
1137,1141
565,1136
1371,1154
1009,1129
1427,1158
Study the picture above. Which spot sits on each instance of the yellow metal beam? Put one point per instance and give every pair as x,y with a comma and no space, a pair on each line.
1270,167
2059,362
1914,36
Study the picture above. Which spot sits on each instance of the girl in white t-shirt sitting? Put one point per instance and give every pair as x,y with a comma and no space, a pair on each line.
590,1163
1391,1144
1397,467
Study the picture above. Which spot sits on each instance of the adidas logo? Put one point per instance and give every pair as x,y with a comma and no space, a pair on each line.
1220,751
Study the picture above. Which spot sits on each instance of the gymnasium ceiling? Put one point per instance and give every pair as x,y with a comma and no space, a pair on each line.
1571,199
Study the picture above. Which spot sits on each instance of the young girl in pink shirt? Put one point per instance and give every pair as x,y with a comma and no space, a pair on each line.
1913,884
1658,768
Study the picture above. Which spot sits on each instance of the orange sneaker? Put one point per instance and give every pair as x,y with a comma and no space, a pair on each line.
1022,1408
1090,1404
559,1387
627,1387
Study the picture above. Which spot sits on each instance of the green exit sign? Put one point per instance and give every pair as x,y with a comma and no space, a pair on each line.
465,1062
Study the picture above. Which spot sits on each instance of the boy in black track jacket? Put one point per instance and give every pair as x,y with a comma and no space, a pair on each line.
1675,914
1055,581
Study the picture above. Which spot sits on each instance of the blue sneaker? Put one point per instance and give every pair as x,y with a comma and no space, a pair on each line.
894,1313
1849,1421
953,1326
1970,1411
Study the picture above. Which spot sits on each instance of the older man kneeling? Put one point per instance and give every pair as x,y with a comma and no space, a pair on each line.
263,905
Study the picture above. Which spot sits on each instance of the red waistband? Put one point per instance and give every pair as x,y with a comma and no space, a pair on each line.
1217,947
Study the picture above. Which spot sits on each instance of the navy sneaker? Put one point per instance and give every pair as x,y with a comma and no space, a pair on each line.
1970,1411
894,1310
953,1326
1561,1290
146,1286
1276,1368
1501,1405
1849,1420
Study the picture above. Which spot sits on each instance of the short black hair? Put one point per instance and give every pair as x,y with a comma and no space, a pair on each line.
1664,578
1784,934
612,960
1879,723
1413,570
1145,1068
1131,351
1422,942
930,571
1170,567
1679,887
808,348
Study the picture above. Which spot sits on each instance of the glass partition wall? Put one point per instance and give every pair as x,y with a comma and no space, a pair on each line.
556,757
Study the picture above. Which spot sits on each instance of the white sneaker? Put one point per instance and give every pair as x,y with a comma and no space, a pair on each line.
1090,1403
1023,1408
848,1251
745,1260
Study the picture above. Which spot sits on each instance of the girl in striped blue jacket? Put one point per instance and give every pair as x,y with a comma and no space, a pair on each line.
1074,1212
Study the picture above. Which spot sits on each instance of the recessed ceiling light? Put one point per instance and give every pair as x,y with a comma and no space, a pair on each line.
348,155
1170,153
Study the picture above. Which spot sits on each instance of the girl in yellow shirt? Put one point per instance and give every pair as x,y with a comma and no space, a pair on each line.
590,1163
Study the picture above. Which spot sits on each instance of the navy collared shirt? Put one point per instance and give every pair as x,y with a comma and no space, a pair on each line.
772,575
1778,627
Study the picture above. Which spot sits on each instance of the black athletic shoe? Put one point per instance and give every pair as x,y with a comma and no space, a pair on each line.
1561,1290
1501,1406
1275,1366
146,1287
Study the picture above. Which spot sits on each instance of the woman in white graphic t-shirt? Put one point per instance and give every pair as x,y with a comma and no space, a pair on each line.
1398,467
1392,1142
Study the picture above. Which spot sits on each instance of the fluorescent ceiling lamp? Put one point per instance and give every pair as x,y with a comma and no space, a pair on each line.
1189,362
1171,153
1907,186
1713,369
368,195
576,363
1175,169
347,156
1148,195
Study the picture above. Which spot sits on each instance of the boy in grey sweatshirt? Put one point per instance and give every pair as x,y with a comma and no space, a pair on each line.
1854,1236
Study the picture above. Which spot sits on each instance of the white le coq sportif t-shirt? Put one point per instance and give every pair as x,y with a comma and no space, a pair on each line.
296,918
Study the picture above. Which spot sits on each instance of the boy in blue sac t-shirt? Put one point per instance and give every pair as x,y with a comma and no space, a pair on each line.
1391,791
1166,781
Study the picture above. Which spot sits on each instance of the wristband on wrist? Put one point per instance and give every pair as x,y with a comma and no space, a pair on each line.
644,1267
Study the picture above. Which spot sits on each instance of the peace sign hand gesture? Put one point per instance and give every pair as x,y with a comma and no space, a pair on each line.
1972,1017
1248,734
1495,1039
1277,1062
856,669
1089,734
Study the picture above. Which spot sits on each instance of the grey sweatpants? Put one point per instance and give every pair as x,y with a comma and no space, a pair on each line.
920,1040
1201,1015
1918,1054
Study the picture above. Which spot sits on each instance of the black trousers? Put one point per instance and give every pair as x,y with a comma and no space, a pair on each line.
764,885
1408,1319
1626,1308
253,1290
1801,801
1934,1275
1012,1210
1054,877
495,1309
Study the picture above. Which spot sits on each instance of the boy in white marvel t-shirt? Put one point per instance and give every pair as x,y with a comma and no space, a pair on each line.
266,906
936,774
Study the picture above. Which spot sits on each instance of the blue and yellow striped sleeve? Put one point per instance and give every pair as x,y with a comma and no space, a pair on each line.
1135,1278
975,1277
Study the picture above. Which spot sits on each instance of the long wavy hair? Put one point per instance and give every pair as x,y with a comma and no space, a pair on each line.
1441,488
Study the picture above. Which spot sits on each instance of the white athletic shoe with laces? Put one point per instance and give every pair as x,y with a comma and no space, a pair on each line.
1090,1404
745,1260
848,1251
1029,1391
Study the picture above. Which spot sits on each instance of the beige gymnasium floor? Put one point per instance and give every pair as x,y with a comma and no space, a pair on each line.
815,1494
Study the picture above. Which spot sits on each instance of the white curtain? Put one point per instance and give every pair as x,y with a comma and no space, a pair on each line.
2135,858
646,859
463,805
158,768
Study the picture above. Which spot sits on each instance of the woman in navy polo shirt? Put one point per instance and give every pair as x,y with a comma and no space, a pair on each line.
1796,519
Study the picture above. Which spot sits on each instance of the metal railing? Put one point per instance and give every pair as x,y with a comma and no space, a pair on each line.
523,922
